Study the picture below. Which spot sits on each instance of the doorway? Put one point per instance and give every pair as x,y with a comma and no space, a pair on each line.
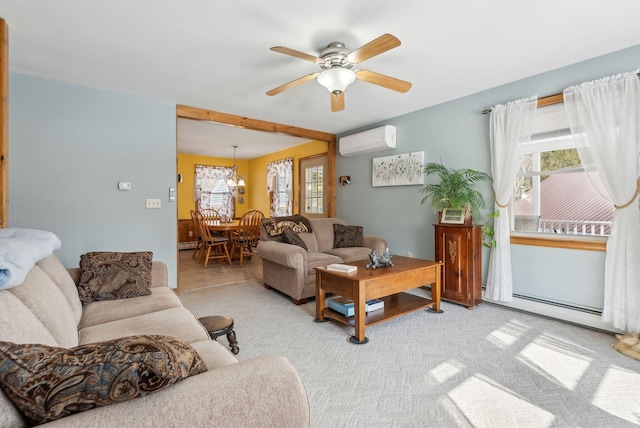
185,112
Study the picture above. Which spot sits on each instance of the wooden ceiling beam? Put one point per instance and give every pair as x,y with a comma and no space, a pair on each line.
186,112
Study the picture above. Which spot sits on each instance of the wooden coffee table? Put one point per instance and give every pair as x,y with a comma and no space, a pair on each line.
384,283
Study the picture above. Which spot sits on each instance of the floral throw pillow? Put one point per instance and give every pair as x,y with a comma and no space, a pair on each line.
347,236
47,383
276,226
113,275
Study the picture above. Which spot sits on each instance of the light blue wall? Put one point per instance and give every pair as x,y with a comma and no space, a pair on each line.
561,275
69,146
457,134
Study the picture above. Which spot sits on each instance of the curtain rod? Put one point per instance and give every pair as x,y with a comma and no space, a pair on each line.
545,101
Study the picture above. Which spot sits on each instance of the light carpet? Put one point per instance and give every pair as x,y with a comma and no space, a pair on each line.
487,367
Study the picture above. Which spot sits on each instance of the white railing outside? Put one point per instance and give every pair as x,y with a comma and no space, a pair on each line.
592,228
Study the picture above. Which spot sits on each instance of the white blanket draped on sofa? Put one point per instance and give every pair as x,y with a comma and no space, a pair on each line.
20,249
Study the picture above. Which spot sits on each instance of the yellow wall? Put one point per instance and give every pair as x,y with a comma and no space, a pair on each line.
256,195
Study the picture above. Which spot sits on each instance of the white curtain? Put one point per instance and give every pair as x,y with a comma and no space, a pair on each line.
510,128
605,122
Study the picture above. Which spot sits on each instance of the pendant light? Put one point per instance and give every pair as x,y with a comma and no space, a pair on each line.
235,179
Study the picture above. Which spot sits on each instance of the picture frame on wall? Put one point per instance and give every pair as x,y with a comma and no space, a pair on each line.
398,170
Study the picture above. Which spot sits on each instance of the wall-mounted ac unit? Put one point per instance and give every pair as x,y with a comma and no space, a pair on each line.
373,140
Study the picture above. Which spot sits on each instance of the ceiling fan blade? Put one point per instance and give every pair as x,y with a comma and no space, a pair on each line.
382,80
337,101
375,47
293,83
297,54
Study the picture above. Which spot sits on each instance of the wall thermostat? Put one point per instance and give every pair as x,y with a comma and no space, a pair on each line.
124,185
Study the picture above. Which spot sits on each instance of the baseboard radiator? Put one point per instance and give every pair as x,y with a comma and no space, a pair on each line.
591,311
187,245
587,317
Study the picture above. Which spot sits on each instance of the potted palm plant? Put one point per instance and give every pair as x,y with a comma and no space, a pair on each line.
455,189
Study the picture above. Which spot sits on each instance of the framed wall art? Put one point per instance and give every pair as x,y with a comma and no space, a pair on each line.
398,170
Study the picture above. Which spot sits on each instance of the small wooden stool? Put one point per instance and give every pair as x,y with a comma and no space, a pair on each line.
217,325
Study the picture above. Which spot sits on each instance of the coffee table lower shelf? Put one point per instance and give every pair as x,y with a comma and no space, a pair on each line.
395,306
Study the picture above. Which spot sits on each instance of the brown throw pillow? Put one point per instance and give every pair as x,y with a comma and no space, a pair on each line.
292,237
111,275
47,383
347,236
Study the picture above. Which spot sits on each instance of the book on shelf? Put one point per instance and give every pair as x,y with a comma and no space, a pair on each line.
346,306
339,267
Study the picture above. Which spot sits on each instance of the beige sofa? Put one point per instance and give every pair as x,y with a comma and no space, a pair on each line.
289,268
45,309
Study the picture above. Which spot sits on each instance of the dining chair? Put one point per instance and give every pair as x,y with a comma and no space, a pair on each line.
196,233
215,246
245,239
210,216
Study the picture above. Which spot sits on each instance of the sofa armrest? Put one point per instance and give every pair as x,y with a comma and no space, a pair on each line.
258,392
159,274
288,255
375,243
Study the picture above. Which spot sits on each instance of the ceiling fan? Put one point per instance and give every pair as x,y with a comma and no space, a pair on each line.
336,62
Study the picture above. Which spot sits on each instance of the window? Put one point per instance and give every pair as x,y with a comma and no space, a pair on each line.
314,192
282,199
553,193
211,189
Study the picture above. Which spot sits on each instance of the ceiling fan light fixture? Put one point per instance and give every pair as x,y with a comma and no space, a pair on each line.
336,62
336,79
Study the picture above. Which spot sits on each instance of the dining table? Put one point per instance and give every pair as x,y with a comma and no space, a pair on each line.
227,228
224,226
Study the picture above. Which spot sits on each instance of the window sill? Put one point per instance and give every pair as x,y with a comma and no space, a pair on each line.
572,242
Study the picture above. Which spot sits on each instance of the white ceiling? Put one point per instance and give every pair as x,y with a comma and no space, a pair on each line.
215,54
214,139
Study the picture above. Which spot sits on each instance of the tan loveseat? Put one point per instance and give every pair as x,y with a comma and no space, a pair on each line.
45,309
290,268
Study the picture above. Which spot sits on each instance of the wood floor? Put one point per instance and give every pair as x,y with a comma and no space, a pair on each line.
192,275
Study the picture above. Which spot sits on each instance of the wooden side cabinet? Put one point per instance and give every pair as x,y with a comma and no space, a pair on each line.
459,248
